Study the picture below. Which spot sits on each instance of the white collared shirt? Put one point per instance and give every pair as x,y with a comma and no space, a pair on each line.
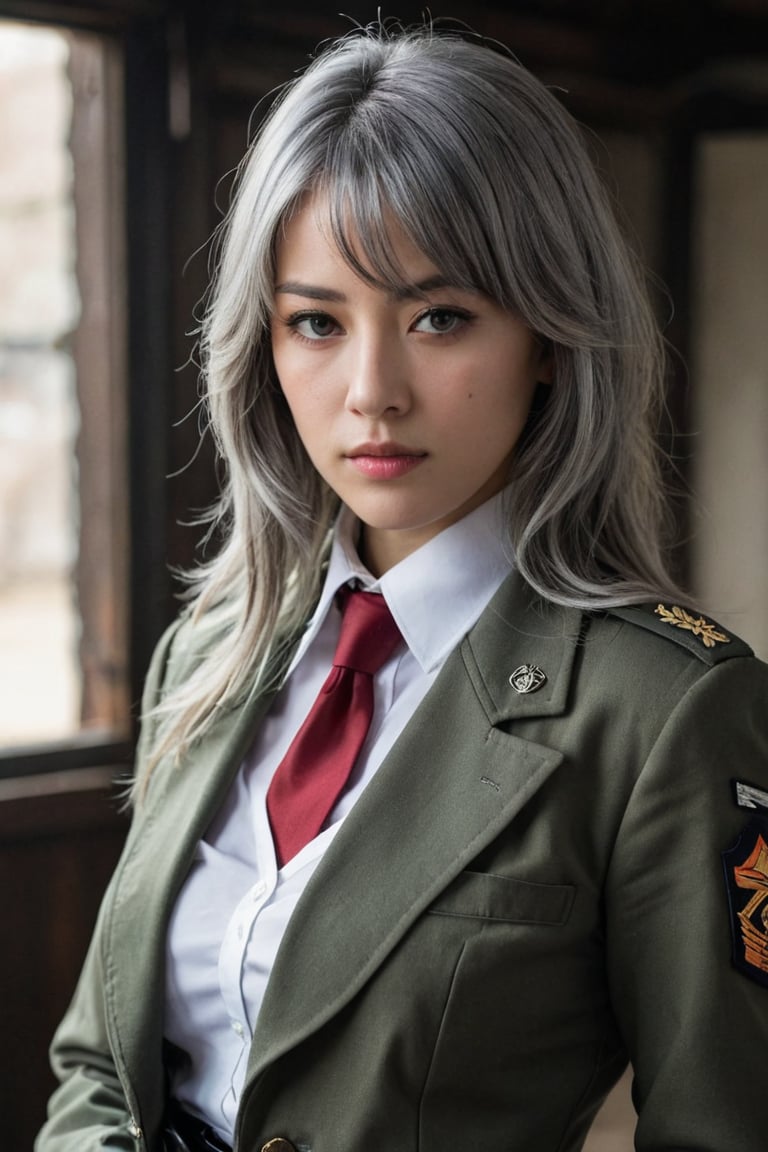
235,904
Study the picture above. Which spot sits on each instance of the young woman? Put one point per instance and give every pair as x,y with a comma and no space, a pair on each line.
434,377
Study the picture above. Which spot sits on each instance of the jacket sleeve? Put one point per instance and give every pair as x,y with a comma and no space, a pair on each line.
693,1008
89,1111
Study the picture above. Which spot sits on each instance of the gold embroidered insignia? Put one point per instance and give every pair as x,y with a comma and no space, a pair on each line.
747,879
704,629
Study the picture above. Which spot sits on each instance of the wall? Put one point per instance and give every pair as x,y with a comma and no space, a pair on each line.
729,373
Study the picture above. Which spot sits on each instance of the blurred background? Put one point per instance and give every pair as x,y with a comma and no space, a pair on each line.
121,122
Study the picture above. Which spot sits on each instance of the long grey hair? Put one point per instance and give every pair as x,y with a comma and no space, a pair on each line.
489,176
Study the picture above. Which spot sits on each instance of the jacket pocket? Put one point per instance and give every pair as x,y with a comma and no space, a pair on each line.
486,896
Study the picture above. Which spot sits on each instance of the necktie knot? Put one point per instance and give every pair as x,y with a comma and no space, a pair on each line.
369,634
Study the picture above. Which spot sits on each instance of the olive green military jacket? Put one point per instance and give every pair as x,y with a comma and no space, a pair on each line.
544,879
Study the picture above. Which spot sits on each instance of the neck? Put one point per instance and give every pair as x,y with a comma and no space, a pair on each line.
380,549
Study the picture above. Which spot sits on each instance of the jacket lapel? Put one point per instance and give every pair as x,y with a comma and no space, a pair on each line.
452,782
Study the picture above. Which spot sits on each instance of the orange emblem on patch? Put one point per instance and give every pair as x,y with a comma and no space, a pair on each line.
753,874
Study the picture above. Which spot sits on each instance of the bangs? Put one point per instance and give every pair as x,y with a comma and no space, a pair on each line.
368,197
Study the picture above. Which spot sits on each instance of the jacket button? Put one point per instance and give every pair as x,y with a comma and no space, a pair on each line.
279,1144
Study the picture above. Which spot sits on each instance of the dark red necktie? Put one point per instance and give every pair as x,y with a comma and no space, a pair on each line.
314,770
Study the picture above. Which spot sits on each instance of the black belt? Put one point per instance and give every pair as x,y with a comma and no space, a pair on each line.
185,1133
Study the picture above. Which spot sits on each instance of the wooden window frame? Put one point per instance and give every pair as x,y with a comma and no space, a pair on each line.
136,355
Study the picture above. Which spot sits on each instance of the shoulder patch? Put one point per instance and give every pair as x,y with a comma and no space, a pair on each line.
746,878
703,637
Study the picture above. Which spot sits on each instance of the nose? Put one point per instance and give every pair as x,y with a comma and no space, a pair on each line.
377,380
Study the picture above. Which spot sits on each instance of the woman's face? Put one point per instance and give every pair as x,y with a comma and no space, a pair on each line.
409,407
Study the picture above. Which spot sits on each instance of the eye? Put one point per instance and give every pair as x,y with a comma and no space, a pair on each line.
313,325
441,321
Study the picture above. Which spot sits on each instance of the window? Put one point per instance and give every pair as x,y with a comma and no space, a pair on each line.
63,505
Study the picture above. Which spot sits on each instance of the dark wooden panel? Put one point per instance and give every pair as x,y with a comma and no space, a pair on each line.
57,851
100,15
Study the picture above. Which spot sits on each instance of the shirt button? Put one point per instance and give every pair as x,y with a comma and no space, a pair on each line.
237,1027
279,1144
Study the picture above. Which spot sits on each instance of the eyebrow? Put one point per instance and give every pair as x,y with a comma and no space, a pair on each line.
409,292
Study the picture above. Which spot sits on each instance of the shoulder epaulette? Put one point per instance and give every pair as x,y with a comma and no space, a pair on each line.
702,637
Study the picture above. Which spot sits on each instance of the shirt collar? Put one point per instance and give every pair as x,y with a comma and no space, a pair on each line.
437,593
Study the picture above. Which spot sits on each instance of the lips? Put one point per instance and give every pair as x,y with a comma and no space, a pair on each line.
384,448
385,461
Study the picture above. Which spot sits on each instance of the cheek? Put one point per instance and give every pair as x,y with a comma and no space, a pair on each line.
304,379
309,428
300,413
292,368
313,423
494,405
299,392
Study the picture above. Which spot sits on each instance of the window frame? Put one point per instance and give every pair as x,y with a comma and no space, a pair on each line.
137,30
